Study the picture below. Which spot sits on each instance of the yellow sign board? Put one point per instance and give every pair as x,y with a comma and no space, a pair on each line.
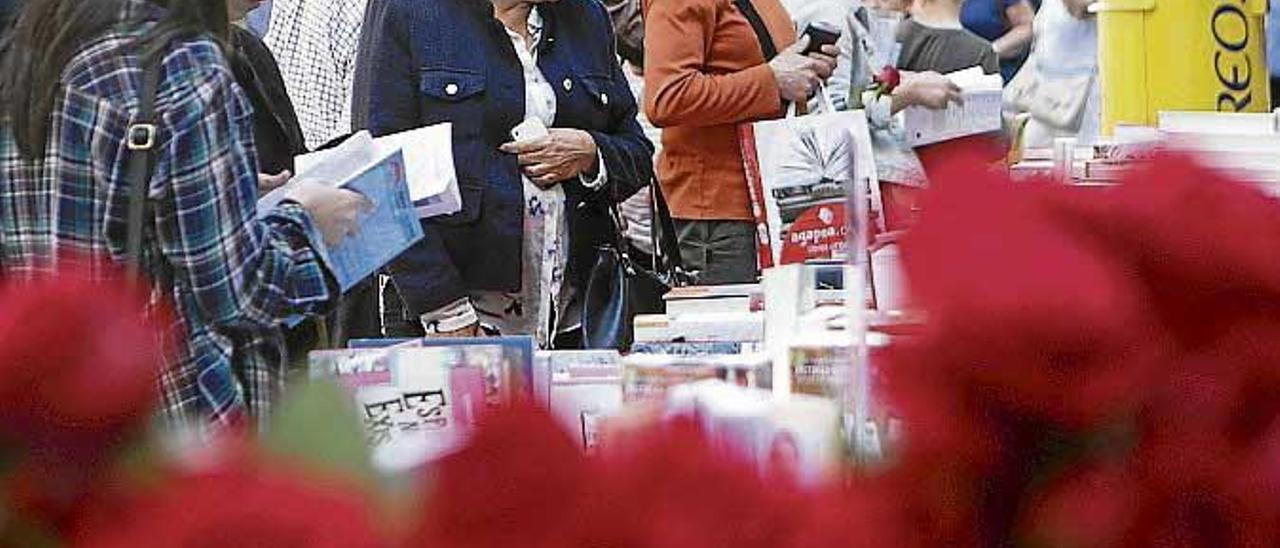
1154,55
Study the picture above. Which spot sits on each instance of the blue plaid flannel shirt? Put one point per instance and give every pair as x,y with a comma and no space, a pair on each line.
234,275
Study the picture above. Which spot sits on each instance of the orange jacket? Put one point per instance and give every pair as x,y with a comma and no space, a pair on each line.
704,75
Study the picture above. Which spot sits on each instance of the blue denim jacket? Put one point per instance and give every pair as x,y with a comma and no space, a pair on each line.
451,61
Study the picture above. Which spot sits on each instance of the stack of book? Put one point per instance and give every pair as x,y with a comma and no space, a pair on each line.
419,400
1243,145
800,437
702,315
584,390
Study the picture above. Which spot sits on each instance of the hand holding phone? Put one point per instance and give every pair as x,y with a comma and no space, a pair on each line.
530,129
803,66
819,36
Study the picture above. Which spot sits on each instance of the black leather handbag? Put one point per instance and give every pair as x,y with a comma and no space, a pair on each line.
619,287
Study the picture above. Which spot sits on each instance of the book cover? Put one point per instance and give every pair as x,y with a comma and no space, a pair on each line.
1237,123
386,230
415,402
508,361
696,348
585,391
715,327
799,439
429,168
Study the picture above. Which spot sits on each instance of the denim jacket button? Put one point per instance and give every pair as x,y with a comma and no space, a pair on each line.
604,99
451,89
568,84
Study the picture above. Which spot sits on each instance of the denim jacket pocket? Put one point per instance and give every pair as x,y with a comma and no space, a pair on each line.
451,85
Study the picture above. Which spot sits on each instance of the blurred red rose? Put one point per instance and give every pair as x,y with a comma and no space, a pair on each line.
1202,246
1133,325
1023,311
1209,457
668,487
238,503
519,482
1091,506
79,360
867,513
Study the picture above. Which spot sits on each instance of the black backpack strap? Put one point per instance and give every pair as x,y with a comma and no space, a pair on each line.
141,142
767,45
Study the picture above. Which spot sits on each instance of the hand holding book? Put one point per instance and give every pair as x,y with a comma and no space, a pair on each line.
336,211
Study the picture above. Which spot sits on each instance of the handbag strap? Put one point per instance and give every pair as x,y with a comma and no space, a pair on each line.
141,142
767,45
662,229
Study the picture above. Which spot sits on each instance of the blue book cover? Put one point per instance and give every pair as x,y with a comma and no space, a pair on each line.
516,352
386,230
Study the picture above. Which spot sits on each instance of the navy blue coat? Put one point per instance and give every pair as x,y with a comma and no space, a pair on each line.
452,61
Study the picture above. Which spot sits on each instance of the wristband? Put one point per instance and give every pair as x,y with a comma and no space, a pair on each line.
457,315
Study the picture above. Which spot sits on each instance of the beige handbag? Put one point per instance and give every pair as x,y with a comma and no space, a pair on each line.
1022,87
1060,103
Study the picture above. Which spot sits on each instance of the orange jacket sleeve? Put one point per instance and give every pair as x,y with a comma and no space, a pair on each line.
678,90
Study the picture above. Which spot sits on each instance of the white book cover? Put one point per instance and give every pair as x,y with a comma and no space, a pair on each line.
417,404
713,305
333,167
584,366
980,112
712,291
1234,143
1239,123
799,438
715,327
585,390
582,409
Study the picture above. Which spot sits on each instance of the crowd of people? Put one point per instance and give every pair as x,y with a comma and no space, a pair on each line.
207,103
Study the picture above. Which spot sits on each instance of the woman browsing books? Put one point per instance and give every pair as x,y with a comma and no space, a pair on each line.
545,137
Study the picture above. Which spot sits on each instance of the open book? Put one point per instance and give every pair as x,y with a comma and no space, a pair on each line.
428,163
980,113
386,230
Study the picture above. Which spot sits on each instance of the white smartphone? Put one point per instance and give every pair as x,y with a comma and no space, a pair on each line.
529,129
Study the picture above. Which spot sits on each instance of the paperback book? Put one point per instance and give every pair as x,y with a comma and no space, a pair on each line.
386,229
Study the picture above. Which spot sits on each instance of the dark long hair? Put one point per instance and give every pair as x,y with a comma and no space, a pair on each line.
47,34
